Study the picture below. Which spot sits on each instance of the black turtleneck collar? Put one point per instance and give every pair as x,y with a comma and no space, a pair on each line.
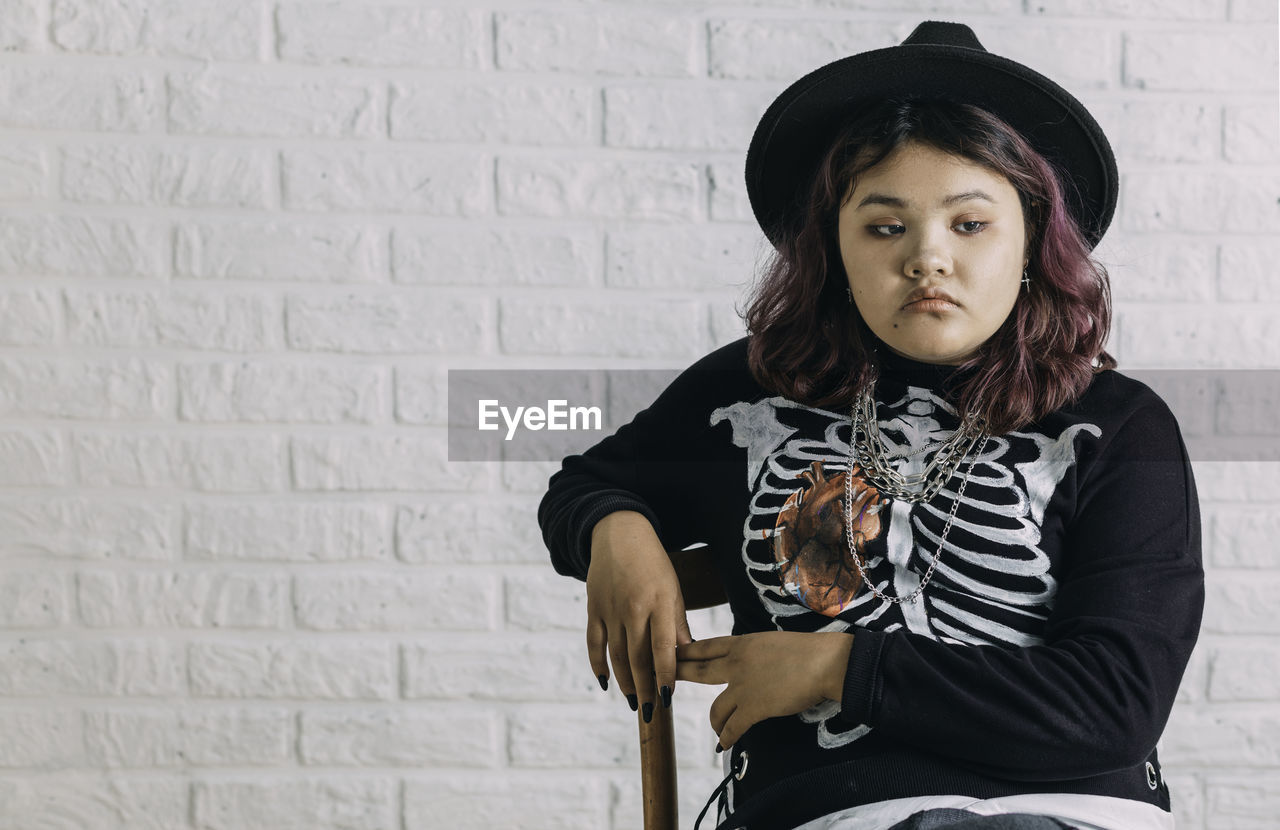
916,372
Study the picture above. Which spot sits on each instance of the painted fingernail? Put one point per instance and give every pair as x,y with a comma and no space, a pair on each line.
719,749
604,682
648,711
666,696
631,700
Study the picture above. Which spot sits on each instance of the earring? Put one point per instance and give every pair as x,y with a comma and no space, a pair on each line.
848,292
1026,282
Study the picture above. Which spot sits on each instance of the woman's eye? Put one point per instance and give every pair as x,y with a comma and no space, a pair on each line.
978,229
878,230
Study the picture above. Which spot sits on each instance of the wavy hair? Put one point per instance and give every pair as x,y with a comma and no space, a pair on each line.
812,345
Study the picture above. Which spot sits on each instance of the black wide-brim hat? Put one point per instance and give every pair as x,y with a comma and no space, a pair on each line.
938,59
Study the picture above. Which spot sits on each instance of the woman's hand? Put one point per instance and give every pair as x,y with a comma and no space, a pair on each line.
634,606
770,674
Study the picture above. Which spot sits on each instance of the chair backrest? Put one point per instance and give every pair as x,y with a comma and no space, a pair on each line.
702,588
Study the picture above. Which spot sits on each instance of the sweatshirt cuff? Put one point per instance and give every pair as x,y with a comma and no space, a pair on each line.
861,696
597,509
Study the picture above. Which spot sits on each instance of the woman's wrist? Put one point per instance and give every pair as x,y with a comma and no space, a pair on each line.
836,664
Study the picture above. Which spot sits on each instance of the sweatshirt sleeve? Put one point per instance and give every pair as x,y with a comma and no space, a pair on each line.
650,465
1096,695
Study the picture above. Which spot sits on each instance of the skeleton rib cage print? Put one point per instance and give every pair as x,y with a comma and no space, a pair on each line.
992,583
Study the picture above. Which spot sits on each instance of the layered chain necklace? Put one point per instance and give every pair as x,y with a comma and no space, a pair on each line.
867,451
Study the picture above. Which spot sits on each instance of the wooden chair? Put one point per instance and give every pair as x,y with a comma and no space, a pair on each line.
701,587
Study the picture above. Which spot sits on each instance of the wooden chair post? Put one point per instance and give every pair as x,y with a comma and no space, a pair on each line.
701,587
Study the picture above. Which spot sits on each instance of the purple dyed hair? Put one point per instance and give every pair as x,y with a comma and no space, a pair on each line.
810,344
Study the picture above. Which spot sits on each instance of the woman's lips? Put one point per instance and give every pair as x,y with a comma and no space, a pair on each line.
930,305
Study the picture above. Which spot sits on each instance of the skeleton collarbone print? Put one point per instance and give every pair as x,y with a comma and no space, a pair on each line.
992,583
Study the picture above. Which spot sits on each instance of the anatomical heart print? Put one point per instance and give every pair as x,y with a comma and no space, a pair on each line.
991,583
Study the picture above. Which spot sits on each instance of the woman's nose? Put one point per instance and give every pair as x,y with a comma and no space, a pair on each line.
929,256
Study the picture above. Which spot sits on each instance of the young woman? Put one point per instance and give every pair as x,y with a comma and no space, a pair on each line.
961,551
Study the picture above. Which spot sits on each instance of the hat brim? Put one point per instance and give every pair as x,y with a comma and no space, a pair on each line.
801,123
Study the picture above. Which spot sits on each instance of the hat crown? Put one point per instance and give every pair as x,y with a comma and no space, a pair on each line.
942,33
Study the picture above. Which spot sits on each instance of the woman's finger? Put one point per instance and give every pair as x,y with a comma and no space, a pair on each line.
721,709
640,651
663,638
707,649
596,655
735,727
618,657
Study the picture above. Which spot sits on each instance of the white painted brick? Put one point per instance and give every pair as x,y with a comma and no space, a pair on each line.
209,29
538,600
951,7
24,168
20,26
447,531
1243,800
726,325
399,737
1254,11
1142,268
381,34
114,667
654,328
317,803
1195,678
1246,405
604,43
683,117
786,49
72,96
399,600
186,599
547,736
40,739
70,528
1251,133
1241,538
729,202
82,246
509,113
411,463
28,317
1144,10
1226,736
309,669
599,189
695,787
527,669
308,252
1237,481
248,103
129,389
187,176
1200,202
1147,132
158,737
689,257
286,532
211,463
1230,61
30,458
387,323
1186,796
529,477
440,184
566,256
173,318
1245,673
483,802
78,801
32,599
280,392
1241,602
421,395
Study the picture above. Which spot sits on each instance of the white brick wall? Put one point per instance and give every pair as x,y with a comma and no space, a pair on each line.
242,585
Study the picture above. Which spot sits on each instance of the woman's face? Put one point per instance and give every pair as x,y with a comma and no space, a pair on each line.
927,220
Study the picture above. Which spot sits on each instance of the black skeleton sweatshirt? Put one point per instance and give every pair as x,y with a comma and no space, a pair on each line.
1046,649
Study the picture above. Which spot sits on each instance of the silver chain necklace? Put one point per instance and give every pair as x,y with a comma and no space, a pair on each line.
867,451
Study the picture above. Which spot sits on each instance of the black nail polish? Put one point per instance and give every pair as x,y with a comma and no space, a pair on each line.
648,711
719,749
666,696
604,682
631,701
